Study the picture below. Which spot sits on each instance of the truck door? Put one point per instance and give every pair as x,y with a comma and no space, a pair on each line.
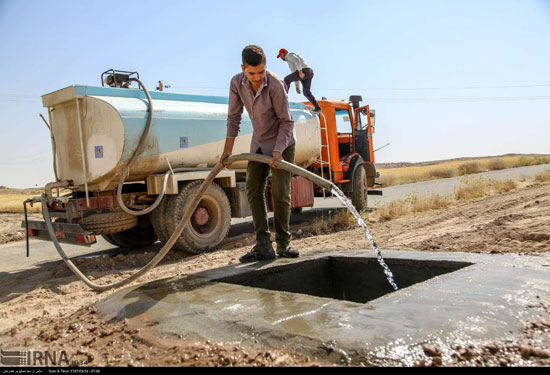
362,133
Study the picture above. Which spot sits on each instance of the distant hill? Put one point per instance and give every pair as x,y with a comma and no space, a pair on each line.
30,191
432,162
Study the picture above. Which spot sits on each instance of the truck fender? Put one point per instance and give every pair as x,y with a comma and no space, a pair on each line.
369,168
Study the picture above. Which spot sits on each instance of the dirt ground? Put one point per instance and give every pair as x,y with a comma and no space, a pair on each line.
10,226
50,309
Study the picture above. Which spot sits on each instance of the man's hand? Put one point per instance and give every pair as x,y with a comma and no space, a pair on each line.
224,156
301,74
298,90
276,156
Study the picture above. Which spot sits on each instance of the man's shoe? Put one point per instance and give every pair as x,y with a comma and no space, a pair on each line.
287,252
258,253
317,110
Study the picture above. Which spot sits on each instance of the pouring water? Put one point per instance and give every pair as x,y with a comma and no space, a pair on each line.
340,195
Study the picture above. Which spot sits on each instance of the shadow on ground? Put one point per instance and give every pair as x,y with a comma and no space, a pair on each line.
52,274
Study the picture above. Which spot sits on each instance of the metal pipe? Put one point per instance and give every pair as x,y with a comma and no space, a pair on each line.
387,144
27,225
45,122
85,170
49,186
54,146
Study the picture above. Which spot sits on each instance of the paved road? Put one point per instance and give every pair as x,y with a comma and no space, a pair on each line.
13,254
443,187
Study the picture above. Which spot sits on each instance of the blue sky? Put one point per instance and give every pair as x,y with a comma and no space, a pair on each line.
447,78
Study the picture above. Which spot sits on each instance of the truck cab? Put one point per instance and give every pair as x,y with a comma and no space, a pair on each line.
347,156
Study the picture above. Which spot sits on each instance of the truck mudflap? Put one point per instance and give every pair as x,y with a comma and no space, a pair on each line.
65,232
375,192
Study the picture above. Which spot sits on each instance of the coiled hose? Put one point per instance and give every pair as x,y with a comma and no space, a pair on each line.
186,216
137,152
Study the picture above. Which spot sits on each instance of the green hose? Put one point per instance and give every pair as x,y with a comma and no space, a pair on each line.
183,222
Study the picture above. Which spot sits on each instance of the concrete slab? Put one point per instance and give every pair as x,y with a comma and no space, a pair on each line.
480,297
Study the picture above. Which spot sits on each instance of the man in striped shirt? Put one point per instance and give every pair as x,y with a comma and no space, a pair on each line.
263,96
301,72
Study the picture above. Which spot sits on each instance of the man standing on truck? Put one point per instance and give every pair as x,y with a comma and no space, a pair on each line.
263,95
301,72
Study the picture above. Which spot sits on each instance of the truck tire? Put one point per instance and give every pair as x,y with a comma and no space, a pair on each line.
157,219
142,235
209,223
360,187
108,238
107,223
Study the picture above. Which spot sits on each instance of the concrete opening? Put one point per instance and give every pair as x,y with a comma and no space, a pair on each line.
344,278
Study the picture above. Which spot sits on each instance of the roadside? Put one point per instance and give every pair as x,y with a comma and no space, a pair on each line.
10,226
11,209
405,173
51,308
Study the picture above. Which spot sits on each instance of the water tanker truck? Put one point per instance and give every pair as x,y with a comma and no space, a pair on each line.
96,131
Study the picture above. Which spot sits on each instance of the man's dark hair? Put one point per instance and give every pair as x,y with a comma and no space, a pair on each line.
253,55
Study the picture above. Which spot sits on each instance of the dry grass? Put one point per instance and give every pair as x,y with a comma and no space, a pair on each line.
542,177
411,204
472,187
441,173
11,200
407,175
526,161
469,168
496,165
339,220
13,203
469,188
502,186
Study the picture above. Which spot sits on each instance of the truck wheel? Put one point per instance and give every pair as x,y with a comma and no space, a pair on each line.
107,223
108,238
137,237
157,219
360,187
209,223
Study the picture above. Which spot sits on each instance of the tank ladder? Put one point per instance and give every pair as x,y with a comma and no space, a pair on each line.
323,126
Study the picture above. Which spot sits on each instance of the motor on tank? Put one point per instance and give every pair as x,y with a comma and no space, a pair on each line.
118,78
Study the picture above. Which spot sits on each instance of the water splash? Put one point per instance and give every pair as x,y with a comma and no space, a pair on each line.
340,195
301,314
